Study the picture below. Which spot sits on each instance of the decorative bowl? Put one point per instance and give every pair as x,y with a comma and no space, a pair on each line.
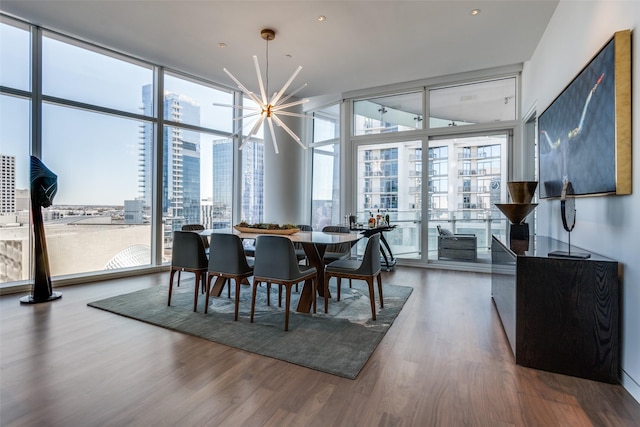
516,212
522,191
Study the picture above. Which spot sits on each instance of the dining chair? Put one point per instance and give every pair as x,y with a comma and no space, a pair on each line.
300,253
276,262
197,227
188,254
367,270
338,250
227,261
205,240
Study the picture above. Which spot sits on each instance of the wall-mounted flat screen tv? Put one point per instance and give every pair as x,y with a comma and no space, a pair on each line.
584,136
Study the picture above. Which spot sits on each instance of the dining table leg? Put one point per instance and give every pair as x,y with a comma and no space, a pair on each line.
315,254
218,285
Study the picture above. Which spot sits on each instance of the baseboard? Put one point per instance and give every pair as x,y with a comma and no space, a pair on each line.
631,386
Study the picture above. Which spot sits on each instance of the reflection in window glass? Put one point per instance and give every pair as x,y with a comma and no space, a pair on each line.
325,200
99,220
80,74
14,189
15,56
482,102
397,113
204,97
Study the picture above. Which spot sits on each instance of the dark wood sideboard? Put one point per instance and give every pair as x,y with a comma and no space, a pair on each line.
559,314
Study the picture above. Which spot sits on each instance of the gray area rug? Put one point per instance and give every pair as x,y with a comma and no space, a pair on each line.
339,343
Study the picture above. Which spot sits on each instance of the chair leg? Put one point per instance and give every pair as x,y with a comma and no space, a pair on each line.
206,305
349,282
238,279
253,297
314,281
268,293
287,303
380,290
279,295
178,285
228,288
372,297
171,285
339,285
327,277
195,292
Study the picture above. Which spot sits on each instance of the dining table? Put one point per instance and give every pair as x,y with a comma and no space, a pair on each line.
314,244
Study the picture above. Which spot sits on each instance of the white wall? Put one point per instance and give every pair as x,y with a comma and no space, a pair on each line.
610,225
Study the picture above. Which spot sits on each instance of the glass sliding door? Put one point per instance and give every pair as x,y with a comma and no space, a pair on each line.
389,181
466,176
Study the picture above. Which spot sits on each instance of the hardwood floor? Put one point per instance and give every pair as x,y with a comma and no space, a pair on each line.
444,362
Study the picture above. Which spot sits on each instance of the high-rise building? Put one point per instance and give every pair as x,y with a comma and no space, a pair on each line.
181,160
252,203
7,184
252,195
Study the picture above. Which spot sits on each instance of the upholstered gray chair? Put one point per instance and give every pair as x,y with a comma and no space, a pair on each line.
276,262
188,254
300,254
338,250
461,247
227,261
367,270
197,228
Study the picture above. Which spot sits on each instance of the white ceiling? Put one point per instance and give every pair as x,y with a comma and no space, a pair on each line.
361,44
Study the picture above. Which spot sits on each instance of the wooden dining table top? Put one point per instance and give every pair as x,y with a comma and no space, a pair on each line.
316,237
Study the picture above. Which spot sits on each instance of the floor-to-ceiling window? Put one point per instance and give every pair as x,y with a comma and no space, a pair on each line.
95,123
90,133
252,171
460,152
325,193
15,107
197,175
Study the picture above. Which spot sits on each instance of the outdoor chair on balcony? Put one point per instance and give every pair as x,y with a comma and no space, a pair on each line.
458,247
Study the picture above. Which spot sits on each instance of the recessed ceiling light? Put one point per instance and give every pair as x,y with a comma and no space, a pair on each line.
222,45
475,12
322,18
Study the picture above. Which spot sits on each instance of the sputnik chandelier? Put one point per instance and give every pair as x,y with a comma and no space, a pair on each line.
267,109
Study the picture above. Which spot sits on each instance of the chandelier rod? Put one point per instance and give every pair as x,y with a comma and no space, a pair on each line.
267,76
